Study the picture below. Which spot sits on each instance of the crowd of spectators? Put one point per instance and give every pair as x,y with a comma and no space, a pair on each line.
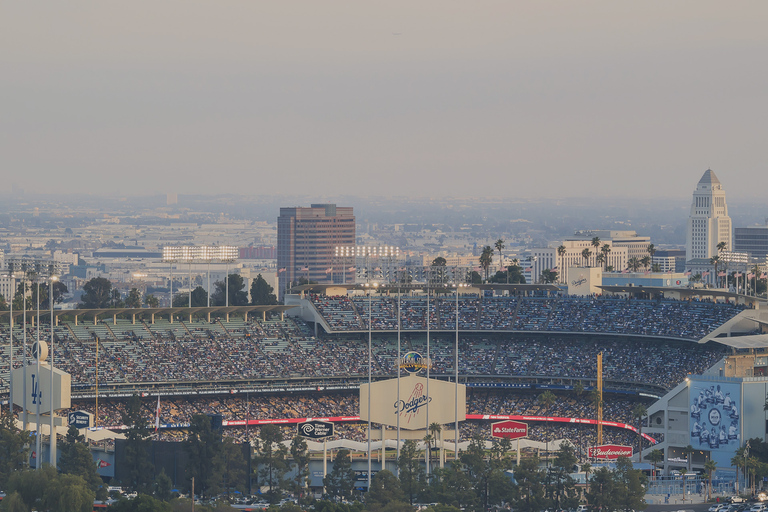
690,320
178,411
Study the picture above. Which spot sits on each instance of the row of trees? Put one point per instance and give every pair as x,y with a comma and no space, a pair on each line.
31,302
480,479
98,293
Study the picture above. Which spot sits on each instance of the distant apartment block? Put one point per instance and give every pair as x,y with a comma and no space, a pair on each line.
307,239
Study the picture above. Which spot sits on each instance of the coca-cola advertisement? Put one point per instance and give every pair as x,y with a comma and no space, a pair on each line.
609,451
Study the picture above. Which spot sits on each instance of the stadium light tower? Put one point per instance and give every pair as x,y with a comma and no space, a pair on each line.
200,254
370,287
52,447
456,374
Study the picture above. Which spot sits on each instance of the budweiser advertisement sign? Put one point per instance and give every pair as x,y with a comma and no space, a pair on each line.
609,451
509,429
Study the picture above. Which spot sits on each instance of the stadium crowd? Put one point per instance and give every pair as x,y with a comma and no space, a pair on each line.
669,318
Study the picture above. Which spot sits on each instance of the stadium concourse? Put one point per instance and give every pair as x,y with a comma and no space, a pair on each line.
511,349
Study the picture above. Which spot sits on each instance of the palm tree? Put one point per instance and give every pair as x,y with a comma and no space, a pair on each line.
434,431
561,252
640,412
737,461
714,260
596,243
721,248
682,475
651,251
688,451
599,259
756,272
486,258
645,261
605,249
586,254
654,458
633,264
709,467
586,468
546,399
499,246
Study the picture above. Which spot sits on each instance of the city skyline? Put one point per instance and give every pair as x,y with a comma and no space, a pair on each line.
544,100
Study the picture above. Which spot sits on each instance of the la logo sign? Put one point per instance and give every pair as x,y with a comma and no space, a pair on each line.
509,429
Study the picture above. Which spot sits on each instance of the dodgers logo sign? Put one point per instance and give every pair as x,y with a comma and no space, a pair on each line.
409,408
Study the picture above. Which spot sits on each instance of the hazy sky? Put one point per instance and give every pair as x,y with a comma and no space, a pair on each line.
521,99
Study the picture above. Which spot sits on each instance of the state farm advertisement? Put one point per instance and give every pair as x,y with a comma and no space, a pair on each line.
509,429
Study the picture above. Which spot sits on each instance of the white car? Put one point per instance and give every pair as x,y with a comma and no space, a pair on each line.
717,507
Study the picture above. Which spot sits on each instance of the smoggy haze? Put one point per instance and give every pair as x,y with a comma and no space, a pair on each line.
408,98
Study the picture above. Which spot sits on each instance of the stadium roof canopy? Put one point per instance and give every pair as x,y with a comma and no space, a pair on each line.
683,293
744,342
180,311
512,288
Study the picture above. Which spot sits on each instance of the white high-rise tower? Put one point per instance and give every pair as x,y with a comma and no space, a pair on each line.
709,223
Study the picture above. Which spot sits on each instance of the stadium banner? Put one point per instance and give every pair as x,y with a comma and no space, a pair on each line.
413,403
342,419
714,418
609,451
315,429
509,429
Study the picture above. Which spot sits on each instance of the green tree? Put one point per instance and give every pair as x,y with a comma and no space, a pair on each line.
261,293
151,301
651,252
530,483
605,250
339,482
138,467
133,300
163,486
710,466
203,447
737,461
563,485
412,477
199,299
548,276
141,503
76,459
68,493
237,294
233,465
602,490
585,255
271,458
499,246
486,259
561,250
654,457
645,261
97,293
385,489
300,460
596,244
452,485
586,468
12,442
639,412
630,485
546,399
688,451
633,264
